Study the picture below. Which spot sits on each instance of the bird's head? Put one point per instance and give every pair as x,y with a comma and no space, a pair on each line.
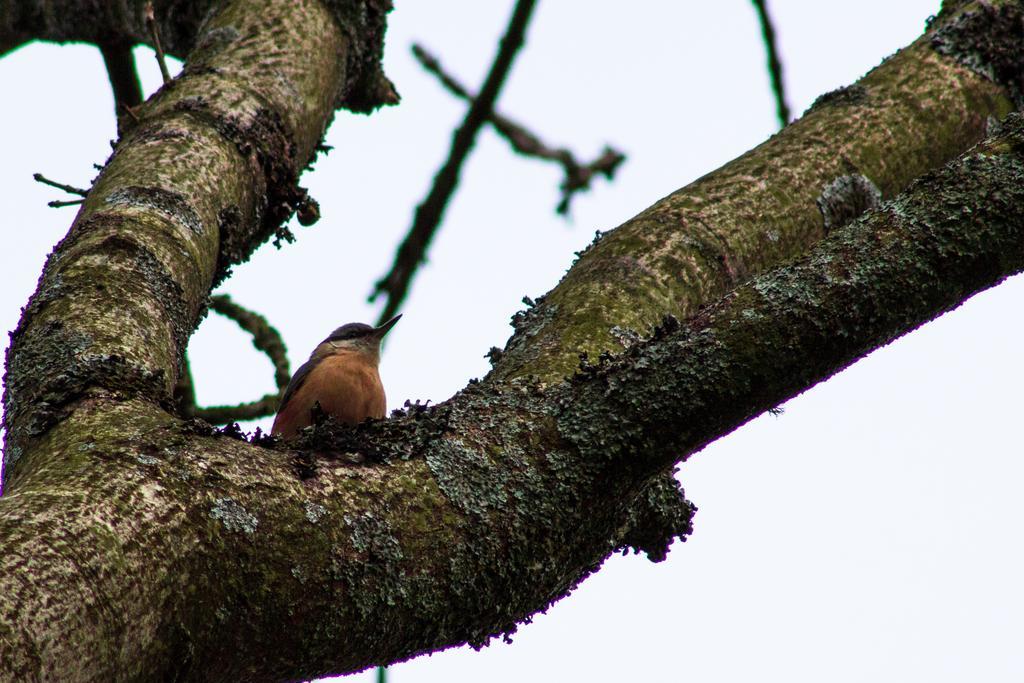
357,337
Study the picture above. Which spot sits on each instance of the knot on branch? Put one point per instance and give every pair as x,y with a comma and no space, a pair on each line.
660,515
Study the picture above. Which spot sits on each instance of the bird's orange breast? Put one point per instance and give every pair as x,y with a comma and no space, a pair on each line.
347,386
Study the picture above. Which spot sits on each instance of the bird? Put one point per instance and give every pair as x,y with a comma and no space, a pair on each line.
341,375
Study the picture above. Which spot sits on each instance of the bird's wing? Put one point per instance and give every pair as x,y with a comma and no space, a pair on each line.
298,379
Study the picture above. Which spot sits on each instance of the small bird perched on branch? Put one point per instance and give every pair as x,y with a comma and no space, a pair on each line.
341,374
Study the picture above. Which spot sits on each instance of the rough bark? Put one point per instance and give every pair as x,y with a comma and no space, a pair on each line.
87,21
915,111
139,545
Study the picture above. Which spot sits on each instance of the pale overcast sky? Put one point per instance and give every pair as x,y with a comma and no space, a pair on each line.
869,533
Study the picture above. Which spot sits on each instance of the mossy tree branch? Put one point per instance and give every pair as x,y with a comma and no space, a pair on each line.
452,523
916,111
160,550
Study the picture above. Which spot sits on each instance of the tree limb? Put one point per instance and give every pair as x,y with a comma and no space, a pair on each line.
466,517
427,219
765,206
159,550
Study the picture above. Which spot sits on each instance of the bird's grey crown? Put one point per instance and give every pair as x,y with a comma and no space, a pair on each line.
350,331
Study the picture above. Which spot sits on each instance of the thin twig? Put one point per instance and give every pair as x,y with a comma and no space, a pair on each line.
254,410
266,339
70,189
774,64
428,214
59,204
155,35
131,113
124,79
523,141
265,336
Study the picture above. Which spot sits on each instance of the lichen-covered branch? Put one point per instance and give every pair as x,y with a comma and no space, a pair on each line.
207,174
577,175
449,524
853,148
917,110
161,550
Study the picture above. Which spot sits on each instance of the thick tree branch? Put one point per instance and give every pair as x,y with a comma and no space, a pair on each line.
207,175
852,148
427,219
577,175
774,201
158,550
467,517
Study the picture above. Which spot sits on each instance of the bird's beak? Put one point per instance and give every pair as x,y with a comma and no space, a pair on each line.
383,329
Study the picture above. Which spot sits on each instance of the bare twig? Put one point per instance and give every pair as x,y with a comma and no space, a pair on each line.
70,189
577,175
131,113
59,204
155,34
428,215
774,65
266,339
124,79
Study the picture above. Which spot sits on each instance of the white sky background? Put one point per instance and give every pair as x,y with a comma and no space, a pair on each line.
869,533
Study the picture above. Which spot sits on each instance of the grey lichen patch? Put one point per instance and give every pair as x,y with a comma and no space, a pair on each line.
373,579
314,511
171,204
50,366
625,336
846,198
234,517
470,480
144,459
993,126
987,41
300,574
373,536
